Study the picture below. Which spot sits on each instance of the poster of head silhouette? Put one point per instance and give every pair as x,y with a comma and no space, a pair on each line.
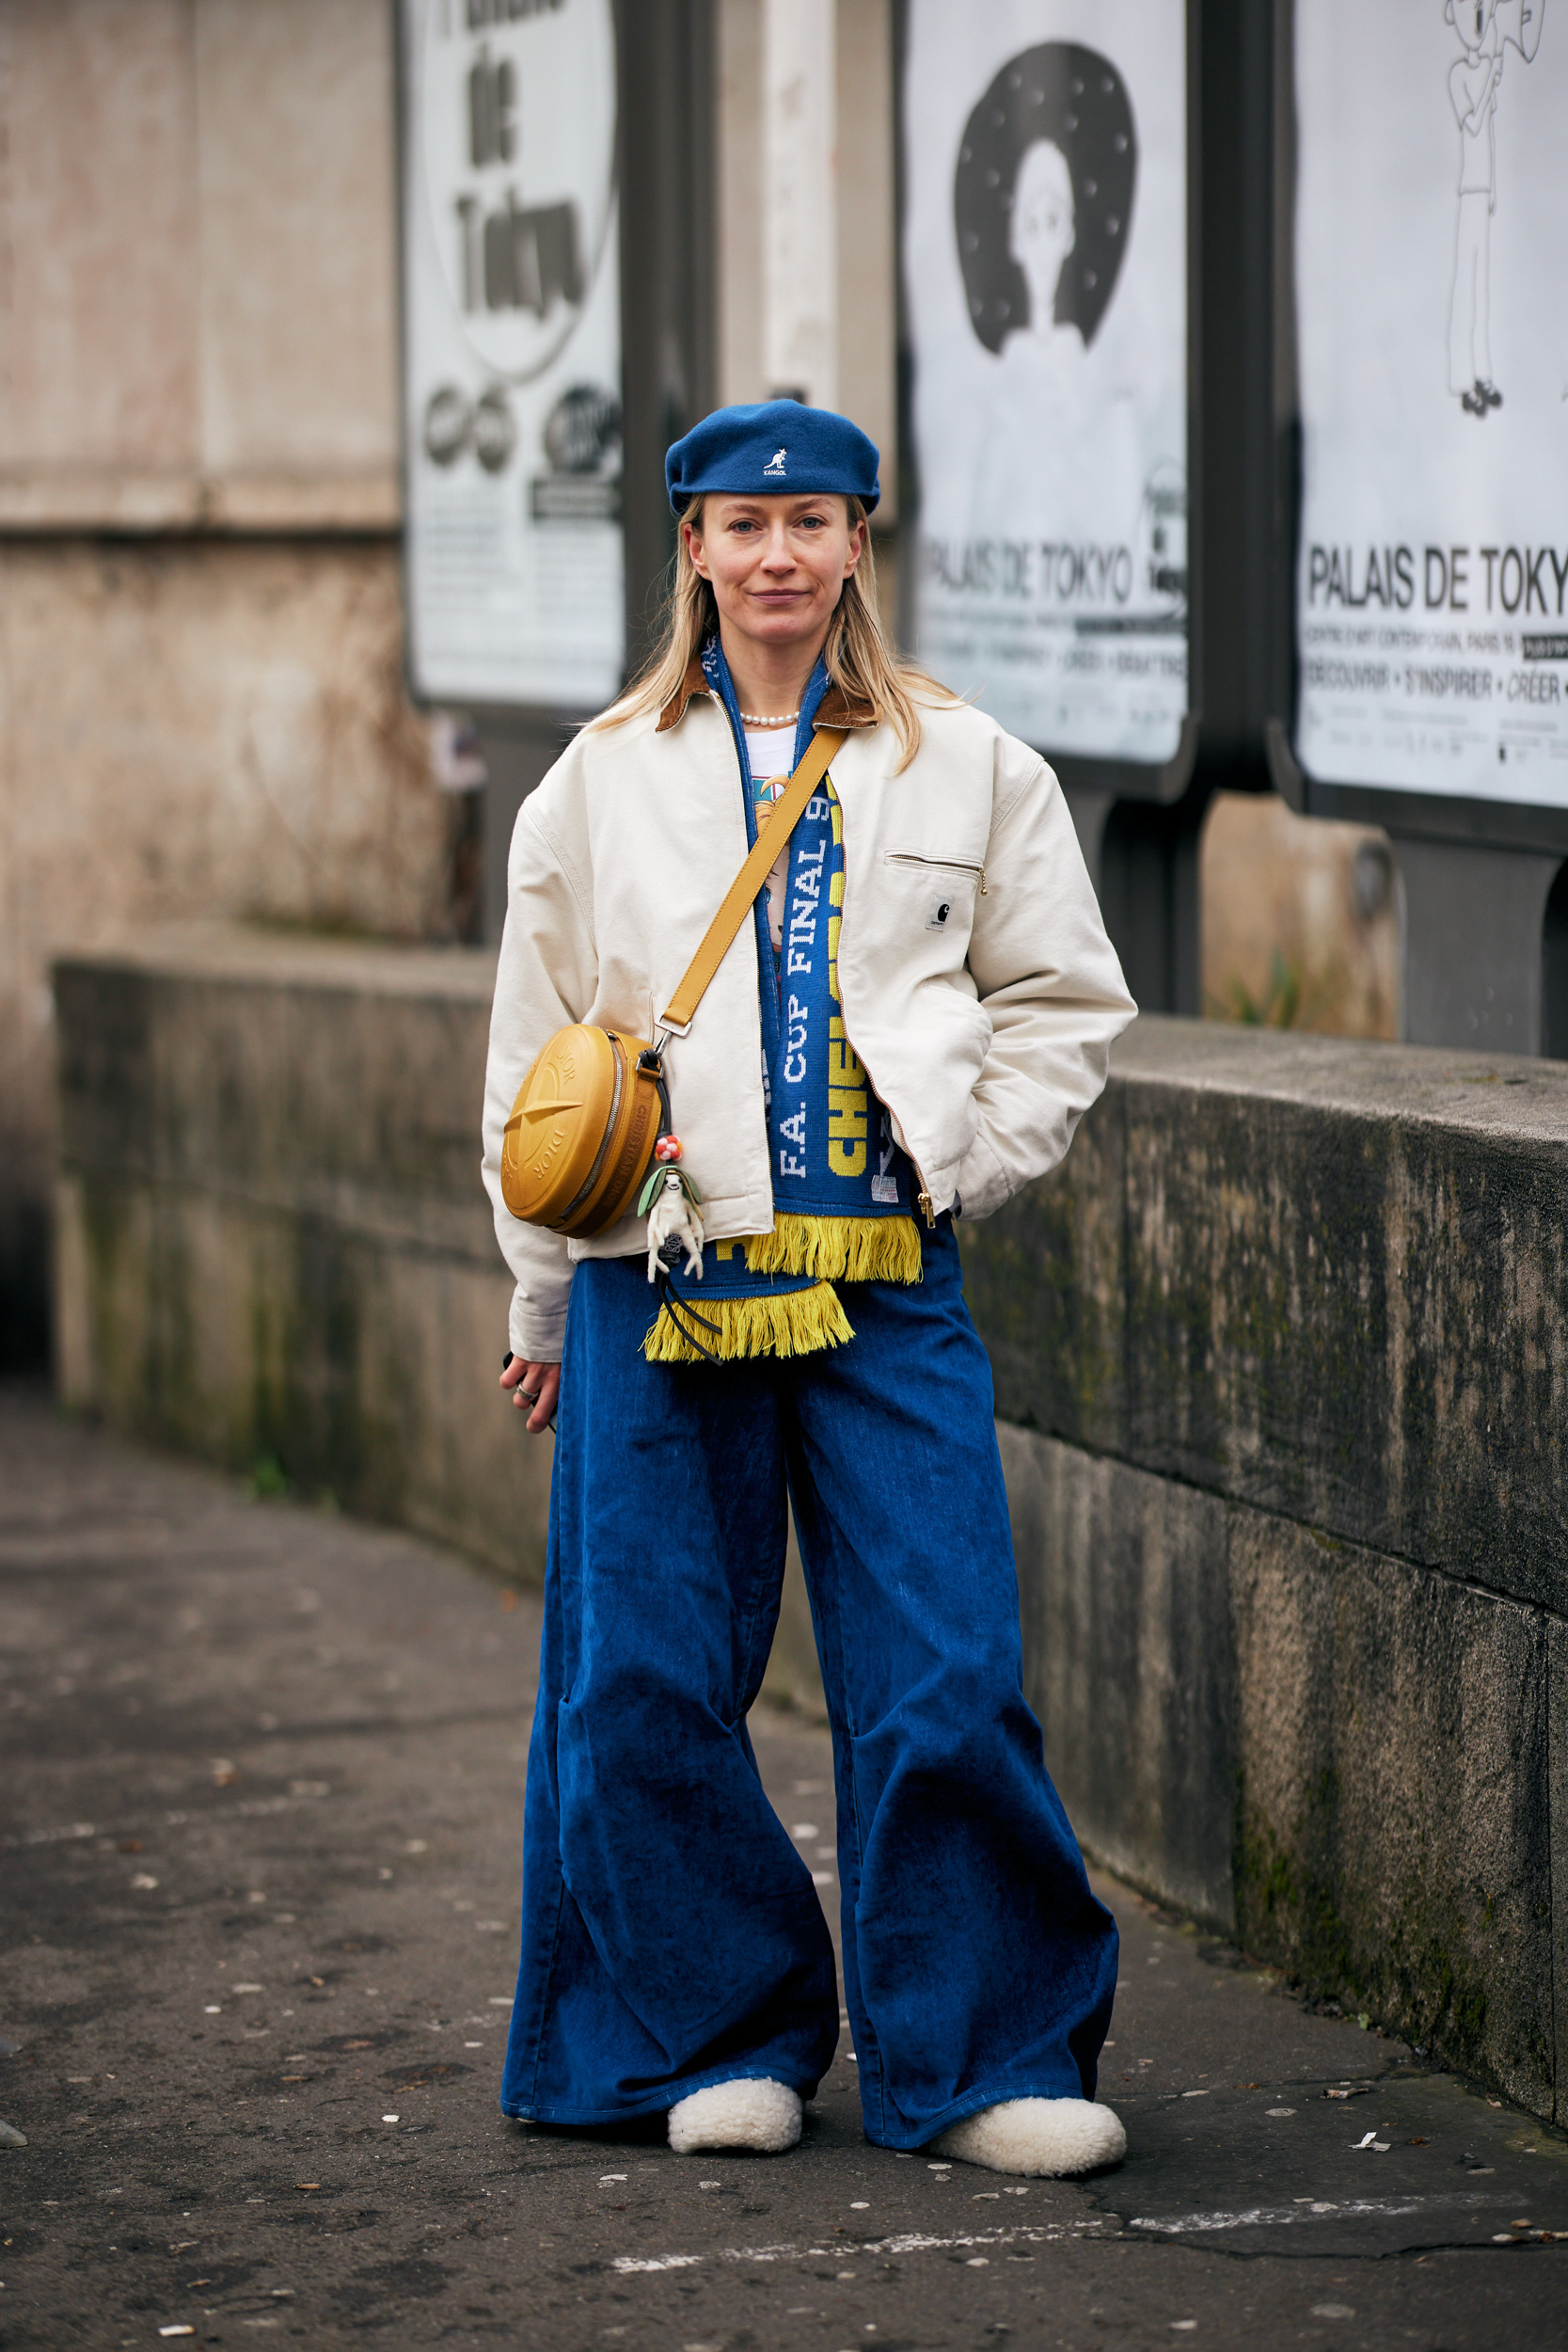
1044,259
1432,292
512,352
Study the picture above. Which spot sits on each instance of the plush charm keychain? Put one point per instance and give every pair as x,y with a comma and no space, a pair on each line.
669,1202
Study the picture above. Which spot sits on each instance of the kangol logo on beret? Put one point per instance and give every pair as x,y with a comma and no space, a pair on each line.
778,445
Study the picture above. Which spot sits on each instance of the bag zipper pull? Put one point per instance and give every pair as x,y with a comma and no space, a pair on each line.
925,1203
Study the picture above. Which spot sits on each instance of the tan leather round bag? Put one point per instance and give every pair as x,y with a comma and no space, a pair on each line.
582,1131
589,1113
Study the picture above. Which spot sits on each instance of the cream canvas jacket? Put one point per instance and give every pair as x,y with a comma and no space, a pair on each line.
986,1031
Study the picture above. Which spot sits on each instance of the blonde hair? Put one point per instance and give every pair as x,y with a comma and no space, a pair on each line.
859,660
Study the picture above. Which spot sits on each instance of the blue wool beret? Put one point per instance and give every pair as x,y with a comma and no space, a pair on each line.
777,447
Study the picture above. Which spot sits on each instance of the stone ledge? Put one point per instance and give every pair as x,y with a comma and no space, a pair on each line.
1499,1094
276,1069
292,956
1329,1280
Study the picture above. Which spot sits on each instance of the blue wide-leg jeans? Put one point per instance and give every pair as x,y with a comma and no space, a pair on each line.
671,1933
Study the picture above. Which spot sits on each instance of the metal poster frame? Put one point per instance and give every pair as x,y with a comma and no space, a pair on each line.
491,711
1409,814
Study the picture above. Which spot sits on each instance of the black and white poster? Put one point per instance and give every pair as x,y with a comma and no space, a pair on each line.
512,352
1044,255
1431,268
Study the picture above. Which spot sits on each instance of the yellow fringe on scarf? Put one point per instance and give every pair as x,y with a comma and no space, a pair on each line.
838,1248
795,1322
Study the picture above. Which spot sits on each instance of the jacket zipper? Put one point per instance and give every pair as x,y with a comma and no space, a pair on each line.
938,864
923,1199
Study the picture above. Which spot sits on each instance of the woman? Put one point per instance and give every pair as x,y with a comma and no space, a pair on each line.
920,1016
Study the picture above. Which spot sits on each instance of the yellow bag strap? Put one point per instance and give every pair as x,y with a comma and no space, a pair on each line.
741,894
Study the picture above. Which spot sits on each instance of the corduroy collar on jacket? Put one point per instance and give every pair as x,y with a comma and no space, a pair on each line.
835,709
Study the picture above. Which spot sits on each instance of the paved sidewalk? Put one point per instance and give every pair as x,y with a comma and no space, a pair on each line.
263,1798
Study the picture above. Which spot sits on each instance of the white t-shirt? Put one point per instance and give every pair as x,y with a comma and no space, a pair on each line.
771,750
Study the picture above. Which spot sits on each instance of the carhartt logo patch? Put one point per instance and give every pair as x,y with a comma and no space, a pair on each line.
776,463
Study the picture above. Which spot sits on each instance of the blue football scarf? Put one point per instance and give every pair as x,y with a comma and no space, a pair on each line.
843,1195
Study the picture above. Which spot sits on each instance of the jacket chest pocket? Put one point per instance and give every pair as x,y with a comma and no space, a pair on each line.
946,886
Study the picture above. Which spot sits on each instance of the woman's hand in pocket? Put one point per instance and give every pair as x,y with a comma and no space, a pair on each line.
534,1390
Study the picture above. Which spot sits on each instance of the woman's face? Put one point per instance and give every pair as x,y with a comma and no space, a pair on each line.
777,565
1044,228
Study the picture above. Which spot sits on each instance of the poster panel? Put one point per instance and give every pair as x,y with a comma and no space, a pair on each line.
1431,266
512,352
1045,269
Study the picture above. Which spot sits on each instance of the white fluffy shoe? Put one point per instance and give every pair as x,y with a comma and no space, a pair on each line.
758,2113
1040,2137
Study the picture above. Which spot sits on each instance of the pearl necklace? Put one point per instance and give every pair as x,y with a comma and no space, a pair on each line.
767,718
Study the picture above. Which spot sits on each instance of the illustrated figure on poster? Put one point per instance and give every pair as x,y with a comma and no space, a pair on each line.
1484,28
1042,206
1043,199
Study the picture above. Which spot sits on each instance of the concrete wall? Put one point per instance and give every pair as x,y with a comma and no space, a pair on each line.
198,306
200,620
193,723
1281,1360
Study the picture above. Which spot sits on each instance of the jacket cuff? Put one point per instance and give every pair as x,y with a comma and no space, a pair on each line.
981,1182
536,1333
